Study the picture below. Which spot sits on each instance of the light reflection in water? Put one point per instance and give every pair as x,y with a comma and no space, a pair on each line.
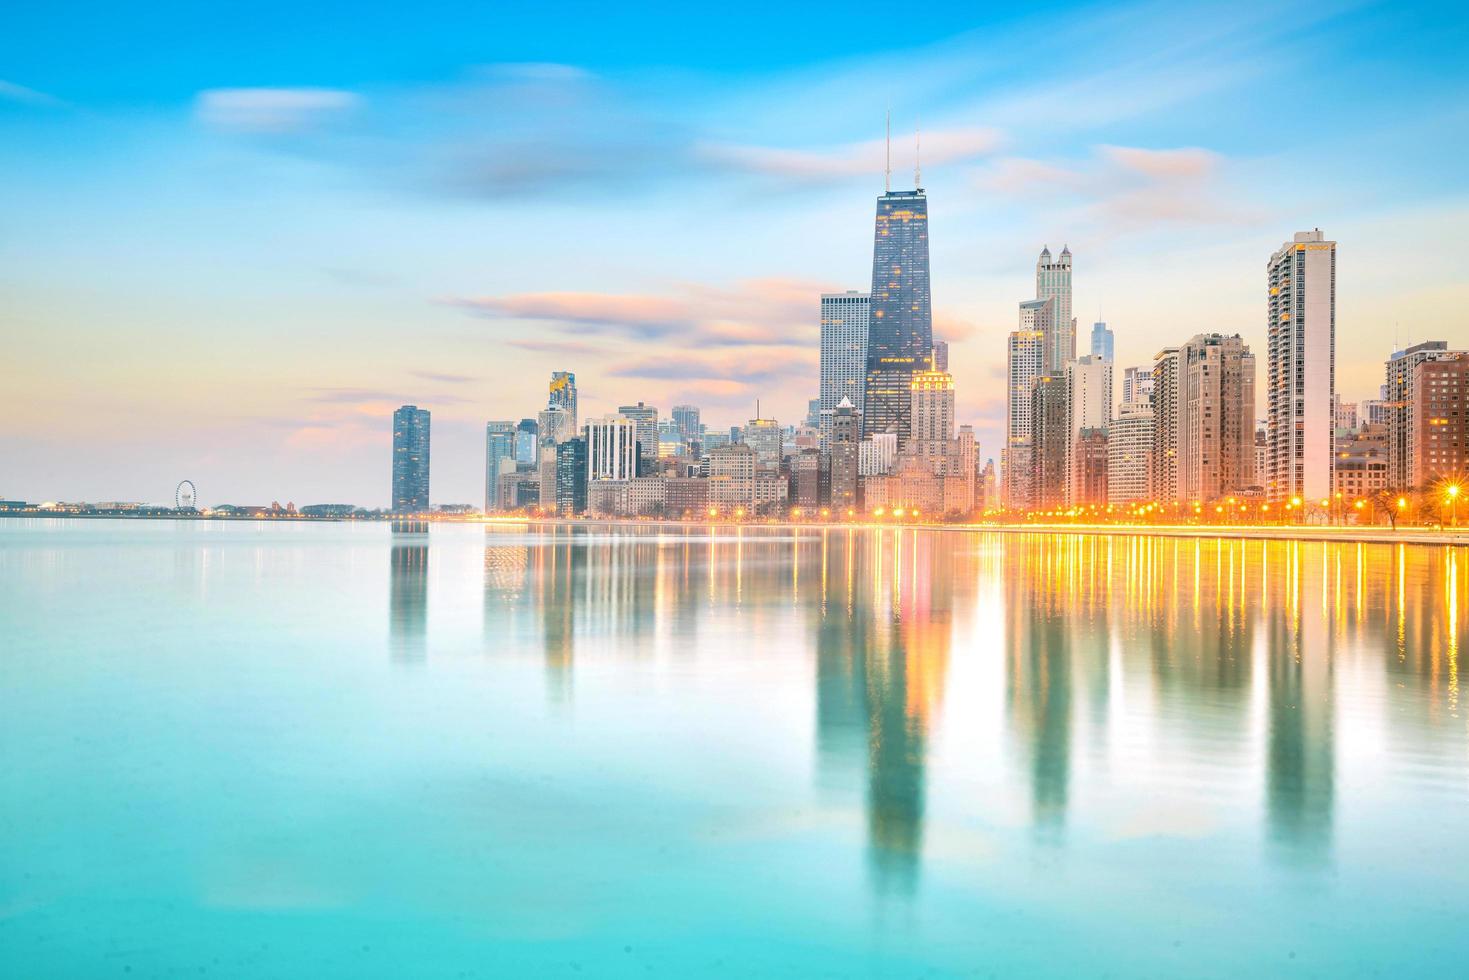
408,589
1229,649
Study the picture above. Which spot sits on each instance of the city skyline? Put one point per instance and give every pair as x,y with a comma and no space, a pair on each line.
171,332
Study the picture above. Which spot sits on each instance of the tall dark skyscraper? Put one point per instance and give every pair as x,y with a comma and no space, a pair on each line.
410,459
900,337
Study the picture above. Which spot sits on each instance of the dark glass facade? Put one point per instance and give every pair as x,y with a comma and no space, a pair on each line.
900,336
571,476
410,459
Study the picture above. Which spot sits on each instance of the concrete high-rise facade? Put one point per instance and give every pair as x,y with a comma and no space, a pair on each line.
1168,428
1397,397
1301,368
933,405
1049,436
1053,282
553,426
1024,362
1137,384
900,333
845,318
645,420
563,395
1217,429
1130,454
1088,409
499,459
842,448
611,448
1439,414
1102,341
410,459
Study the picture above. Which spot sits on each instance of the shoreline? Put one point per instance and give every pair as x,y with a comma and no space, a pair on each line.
1343,535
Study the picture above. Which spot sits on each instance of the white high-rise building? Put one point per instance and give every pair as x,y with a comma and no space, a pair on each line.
1024,362
1088,406
1169,432
844,321
1137,384
1053,281
877,453
1301,368
612,448
1130,454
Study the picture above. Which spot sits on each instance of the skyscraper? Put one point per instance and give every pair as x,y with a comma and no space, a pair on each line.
1167,423
611,448
1440,437
686,419
1217,431
1049,432
842,446
645,418
1301,372
527,441
1088,410
571,476
563,394
1130,454
1137,384
553,425
1397,395
940,355
763,436
1025,361
900,334
1101,341
499,459
410,459
1053,281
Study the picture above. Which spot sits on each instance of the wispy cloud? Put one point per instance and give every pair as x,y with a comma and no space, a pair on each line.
443,378
755,312
273,111
861,159
11,92
1123,188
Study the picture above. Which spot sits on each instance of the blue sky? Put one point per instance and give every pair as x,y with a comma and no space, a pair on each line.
235,237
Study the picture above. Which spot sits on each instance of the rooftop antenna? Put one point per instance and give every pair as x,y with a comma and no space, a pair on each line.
757,410
887,170
918,157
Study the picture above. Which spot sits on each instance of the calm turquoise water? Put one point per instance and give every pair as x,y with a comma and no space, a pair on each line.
265,750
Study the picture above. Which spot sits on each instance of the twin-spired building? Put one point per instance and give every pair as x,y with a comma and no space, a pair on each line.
1300,359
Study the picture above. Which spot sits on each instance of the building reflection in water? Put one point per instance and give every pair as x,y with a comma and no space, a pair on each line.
1147,673
408,590
882,622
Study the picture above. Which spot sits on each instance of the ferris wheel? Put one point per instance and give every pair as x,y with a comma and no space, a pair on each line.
186,496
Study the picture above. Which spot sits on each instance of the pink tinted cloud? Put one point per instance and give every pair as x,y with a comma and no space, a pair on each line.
850,160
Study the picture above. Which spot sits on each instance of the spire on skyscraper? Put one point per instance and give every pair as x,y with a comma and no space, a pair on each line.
887,170
918,157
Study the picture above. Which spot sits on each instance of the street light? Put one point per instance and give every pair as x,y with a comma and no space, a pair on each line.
1453,492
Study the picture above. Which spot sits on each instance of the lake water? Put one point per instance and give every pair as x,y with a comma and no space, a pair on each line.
335,750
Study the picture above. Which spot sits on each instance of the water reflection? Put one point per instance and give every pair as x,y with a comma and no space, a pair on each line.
408,590
1178,679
